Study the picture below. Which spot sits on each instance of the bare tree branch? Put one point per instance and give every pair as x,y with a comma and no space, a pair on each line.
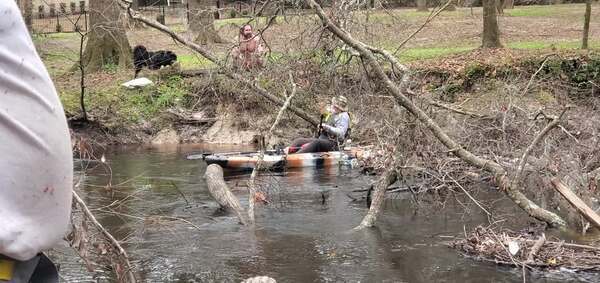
112,240
455,110
251,184
430,18
555,121
220,64
399,94
536,73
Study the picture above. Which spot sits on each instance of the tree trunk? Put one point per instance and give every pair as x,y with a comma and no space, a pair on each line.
220,192
107,42
82,78
500,7
586,24
509,4
422,5
202,22
491,32
26,7
218,11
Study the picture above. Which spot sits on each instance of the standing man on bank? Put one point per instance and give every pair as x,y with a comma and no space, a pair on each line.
36,166
248,54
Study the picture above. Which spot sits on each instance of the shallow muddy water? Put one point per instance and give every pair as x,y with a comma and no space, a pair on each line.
303,235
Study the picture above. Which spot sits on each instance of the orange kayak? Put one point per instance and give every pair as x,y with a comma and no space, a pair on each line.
273,160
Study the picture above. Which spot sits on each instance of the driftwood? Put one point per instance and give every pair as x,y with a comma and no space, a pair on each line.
577,203
220,192
536,248
191,118
488,245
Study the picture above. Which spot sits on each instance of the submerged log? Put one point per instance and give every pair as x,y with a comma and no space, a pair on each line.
388,178
219,190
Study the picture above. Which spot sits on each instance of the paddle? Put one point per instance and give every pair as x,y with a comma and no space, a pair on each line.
203,155
320,126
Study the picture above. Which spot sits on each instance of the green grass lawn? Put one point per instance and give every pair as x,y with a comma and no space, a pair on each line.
549,45
193,61
422,53
413,54
545,11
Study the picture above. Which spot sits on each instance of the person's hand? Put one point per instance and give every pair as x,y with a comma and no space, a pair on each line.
323,108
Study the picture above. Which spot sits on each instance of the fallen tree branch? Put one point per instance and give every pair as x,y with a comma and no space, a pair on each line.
483,244
130,276
455,110
576,202
368,53
555,121
536,248
469,195
389,177
535,74
251,184
124,4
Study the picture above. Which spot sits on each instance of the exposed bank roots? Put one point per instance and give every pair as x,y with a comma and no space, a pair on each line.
525,250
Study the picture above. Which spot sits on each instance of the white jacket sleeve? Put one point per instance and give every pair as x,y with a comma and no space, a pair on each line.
36,166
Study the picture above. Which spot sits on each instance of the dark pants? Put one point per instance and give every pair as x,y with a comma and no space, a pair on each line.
306,145
38,269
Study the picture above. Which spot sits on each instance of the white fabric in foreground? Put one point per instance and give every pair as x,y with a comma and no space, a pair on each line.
36,164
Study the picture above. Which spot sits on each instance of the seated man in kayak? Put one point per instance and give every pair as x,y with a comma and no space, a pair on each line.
332,131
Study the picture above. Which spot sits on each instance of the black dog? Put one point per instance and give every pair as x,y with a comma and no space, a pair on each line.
153,60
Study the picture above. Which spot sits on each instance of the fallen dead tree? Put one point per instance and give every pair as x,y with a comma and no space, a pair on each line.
528,251
400,92
577,203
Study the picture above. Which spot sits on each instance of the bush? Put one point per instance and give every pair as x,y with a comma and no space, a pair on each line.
475,71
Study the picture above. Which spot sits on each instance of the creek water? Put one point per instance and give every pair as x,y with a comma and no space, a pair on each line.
303,235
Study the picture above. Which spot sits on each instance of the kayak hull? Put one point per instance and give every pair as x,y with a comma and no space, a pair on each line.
278,161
